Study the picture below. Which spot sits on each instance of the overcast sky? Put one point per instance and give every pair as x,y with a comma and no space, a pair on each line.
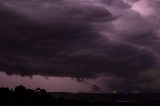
98,45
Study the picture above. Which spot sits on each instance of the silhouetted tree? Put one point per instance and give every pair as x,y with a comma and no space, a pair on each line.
30,93
20,91
20,88
38,90
41,92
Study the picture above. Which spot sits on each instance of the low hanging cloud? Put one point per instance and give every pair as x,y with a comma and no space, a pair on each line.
67,42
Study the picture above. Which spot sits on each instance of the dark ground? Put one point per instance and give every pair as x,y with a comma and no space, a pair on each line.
21,96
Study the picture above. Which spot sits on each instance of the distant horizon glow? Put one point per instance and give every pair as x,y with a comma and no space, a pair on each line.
51,84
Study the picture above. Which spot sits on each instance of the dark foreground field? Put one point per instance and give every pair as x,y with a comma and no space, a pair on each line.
21,96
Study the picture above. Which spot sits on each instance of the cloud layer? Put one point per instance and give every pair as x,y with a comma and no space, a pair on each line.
81,39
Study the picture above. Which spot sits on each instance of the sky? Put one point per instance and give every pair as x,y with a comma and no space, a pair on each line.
80,45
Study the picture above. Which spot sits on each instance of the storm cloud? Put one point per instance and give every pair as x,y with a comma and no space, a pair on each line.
89,40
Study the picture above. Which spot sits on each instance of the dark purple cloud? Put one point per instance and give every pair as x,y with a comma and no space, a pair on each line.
80,41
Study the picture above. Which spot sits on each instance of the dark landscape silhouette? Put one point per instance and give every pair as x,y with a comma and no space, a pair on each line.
21,96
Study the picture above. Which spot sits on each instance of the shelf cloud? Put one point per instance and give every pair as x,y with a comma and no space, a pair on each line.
83,39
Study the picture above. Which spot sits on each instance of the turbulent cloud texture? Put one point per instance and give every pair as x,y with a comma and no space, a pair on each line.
81,39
